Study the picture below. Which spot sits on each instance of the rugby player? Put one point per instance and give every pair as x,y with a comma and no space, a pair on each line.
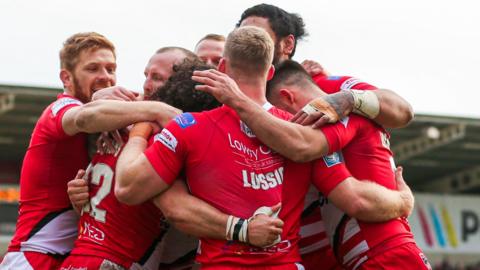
366,152
159,67
232,170
210,49
286,29
47,225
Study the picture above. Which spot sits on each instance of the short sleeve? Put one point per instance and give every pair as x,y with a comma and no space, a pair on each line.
328,172
354,83
168,152
57,110
339,134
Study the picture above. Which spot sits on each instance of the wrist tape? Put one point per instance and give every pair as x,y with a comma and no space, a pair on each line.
365,103
237,229
320,105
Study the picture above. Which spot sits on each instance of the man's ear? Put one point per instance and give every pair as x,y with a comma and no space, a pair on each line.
287,96
222,65
288,44
66,78
271,72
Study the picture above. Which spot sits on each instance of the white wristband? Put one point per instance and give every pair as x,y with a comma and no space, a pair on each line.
365,103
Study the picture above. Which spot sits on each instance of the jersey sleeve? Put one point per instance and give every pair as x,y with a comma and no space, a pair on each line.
328,172
57,110
357,84
339,134
168,151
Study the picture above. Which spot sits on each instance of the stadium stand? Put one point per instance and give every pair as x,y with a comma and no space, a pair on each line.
440,154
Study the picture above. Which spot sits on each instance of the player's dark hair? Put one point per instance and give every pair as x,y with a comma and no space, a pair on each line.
281,22
288,72
179,90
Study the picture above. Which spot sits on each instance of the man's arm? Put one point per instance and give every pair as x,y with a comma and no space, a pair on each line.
107,115
395,111
136,180
196,217
383,106
296,142
371,202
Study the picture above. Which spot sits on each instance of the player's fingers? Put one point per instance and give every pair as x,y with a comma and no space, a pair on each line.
306,64
277,223
203,80
399,177
296,116
80,174
79,196
276,207
80,202
276,231
205,88
77,187
300,119
119,95
310,118
218,73
321,122
211,74
316,69
130,95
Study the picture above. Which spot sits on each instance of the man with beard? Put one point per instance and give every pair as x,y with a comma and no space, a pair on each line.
47,224
286,29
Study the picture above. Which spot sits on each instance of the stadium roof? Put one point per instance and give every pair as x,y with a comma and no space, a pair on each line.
439,153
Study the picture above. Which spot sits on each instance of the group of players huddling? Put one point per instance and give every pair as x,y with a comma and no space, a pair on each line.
272,164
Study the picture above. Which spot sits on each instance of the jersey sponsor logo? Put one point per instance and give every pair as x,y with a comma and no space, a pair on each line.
263,181
334,78
62,103
92,232
333,159
167,139
245,129
349,83
283,246
252,153
185,120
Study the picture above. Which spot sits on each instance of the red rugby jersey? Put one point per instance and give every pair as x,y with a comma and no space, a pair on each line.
228,167
312,231
115,231
366,153
46,222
